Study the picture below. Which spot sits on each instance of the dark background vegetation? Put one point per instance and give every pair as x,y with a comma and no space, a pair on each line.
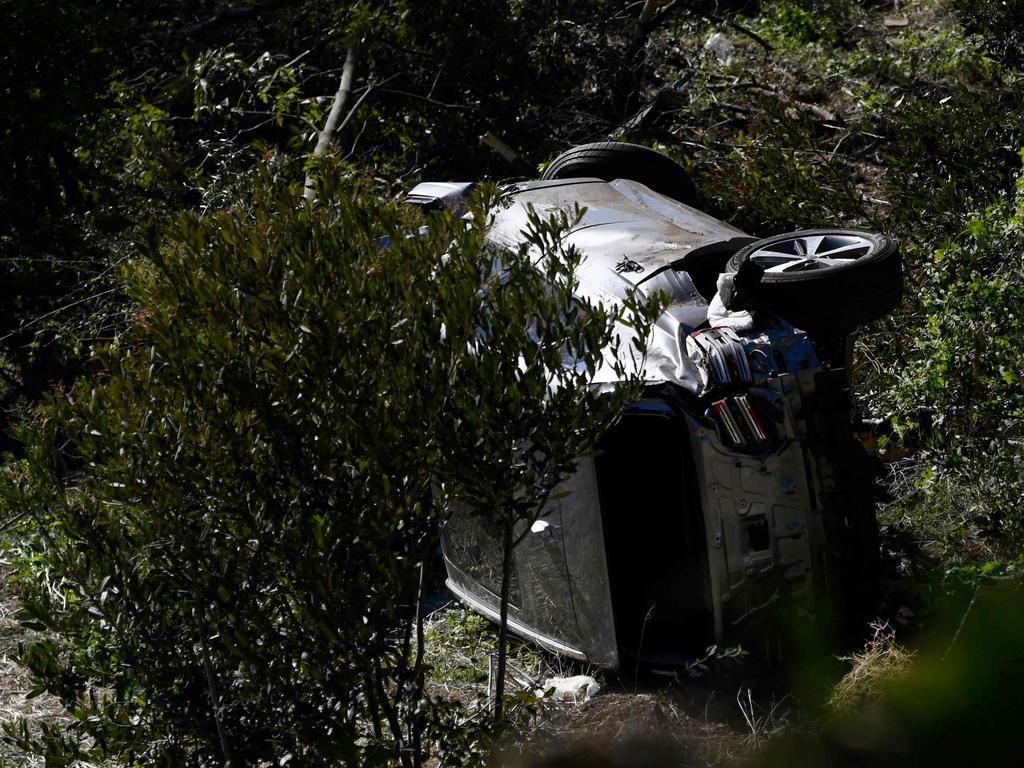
208,518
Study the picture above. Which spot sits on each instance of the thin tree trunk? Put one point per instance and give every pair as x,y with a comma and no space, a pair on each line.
647,12
506,588
326,135
212,687
371,701
625,88
391,715
201,626
417,733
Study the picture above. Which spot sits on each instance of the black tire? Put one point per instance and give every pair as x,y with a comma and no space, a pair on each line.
825,295
610,160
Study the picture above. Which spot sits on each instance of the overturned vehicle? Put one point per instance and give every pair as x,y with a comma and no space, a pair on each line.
734,487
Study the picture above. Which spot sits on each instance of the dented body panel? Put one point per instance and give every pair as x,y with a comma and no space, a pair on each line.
705,506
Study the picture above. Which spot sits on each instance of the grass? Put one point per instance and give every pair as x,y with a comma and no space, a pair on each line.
698,718
878,665
460,646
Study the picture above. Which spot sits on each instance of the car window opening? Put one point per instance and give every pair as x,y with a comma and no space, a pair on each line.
654,538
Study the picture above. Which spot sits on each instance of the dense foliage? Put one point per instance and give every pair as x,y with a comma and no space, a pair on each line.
232,423
264,461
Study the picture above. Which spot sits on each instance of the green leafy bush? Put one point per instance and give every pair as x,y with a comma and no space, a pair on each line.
999,24
777,180
232,519
957,152
965,364
794,23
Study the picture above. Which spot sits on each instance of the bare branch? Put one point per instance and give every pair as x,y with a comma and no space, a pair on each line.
463,107
231,13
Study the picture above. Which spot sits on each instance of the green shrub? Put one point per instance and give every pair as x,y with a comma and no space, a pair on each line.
999,24
232,519
956,153
777,180
965,363
795,23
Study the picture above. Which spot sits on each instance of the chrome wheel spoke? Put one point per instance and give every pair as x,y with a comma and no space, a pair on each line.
831,262
846,251
811,245
811,252
775,261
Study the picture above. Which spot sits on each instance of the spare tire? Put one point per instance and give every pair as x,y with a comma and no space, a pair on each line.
610,160
824,280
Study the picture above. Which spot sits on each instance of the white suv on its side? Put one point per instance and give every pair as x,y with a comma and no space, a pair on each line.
734,487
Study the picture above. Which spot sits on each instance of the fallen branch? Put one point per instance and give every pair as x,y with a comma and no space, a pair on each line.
819,112
494,142
10,522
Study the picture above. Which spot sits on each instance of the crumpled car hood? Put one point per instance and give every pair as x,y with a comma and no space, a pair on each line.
630,238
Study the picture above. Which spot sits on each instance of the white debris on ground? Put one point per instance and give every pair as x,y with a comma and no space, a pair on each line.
578,689
721,47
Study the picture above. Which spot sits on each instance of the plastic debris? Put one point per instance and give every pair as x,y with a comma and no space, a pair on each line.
576,690
722,48
539,525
